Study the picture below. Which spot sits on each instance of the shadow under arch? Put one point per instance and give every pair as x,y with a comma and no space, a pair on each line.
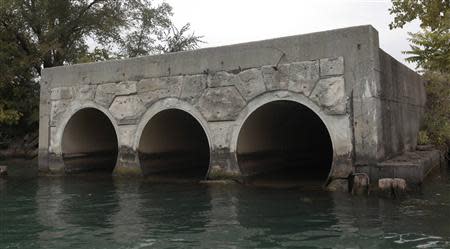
89,142
173,142
284,142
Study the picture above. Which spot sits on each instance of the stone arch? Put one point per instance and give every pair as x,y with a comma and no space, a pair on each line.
181,111
334,124
103,137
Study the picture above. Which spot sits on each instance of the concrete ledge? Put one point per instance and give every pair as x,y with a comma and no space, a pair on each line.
412,166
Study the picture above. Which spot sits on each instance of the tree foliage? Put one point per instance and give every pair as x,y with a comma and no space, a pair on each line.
430,48
437,116
175,40
36,34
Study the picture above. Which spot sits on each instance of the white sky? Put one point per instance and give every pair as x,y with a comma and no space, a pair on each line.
224,22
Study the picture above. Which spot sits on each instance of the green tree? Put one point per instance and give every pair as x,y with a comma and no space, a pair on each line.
36,34
175,40
430,49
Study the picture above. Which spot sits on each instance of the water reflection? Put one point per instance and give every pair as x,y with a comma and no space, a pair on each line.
50,196
19,226
99,212
174,214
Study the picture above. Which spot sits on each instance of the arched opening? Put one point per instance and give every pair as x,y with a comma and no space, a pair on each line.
284,140
89,142
173,145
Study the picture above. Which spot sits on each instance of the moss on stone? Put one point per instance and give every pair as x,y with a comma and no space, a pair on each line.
127,171
218,173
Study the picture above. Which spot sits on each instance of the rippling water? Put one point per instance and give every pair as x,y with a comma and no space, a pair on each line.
100,212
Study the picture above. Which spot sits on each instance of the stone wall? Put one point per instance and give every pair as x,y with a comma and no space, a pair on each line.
357,90
219,97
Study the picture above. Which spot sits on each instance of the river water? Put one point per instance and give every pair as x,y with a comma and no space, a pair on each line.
101,212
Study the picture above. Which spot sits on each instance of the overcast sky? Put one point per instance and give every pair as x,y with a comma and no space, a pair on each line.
224,22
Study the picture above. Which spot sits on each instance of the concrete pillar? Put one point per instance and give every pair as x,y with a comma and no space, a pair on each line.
223,163
127,159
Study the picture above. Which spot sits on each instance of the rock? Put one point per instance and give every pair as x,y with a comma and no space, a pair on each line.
222,78
221,103
3,171
153,89
338,185
193,87
58,107
216,172
276,78
126,88
127,109
360,184
303,76
392,187
385,184
399,184
329,93
85,92
332,66
251,83
61,93
105,94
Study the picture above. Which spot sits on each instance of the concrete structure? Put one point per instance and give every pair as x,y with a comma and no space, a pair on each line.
330,102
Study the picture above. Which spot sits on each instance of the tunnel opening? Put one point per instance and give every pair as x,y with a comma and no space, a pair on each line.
284,142
174,146
89,143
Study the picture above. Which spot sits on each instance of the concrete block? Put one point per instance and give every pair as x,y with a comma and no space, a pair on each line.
85,92
126,134
126,88
361,184
331,66
61,93
105,94
221,132
127,109
58,107
222,103
399,184
193,87
222,78
385,183
276,78
150,90
251,83
392,187
329,94
303,76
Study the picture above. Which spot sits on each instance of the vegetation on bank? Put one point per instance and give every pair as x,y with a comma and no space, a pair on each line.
430,49
36,34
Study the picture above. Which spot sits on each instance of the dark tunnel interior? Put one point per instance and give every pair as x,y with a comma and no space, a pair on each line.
174,146
284,141
89,142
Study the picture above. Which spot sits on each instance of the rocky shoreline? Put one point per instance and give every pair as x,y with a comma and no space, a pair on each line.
25,147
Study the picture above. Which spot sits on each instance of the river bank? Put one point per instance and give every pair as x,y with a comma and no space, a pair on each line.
21,147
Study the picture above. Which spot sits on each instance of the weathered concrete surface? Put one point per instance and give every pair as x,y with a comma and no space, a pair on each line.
3,171
412,166
357,90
